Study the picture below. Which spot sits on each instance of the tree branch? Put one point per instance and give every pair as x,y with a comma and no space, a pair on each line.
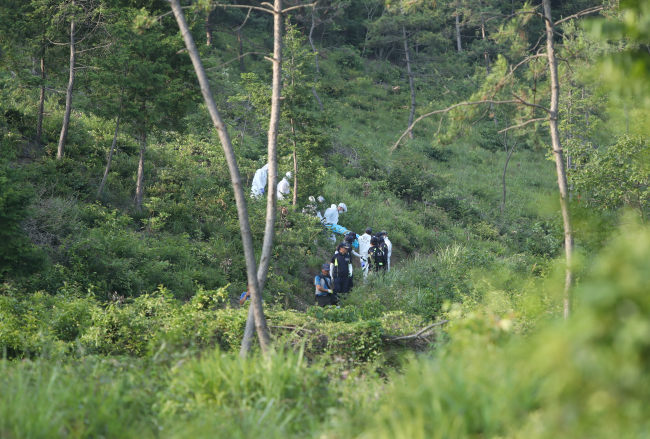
257,8
419,334
522,62
238,28
94,48
235,59
580,14
530,104
446,110
292,328
523,124
308,5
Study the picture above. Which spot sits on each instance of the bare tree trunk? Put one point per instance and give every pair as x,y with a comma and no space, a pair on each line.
242,211
271,200
459,45
139,185
295,165
559,159
240,51
509,153
313,48
209,29
411,84
486,55
295,177
110,157
41,103
68,95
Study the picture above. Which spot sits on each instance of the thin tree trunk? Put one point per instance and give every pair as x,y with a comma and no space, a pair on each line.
110,157
240,51
486,55
209,29
68,95
559,159
139,185
313,48
459,45
411,84
295,165
41,103
509,153
242,211
271,200
295,177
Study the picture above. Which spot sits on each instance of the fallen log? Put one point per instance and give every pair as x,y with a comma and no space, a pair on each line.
422,333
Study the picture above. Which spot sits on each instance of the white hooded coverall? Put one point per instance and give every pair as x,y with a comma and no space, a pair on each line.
331,215
283,188
259,181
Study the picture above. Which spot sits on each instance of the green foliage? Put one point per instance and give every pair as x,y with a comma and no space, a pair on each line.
294,397
584,377
613,177
626,69
17,253
92,398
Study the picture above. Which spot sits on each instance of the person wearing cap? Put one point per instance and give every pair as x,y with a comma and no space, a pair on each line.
388,248
323,283
284,188
341,270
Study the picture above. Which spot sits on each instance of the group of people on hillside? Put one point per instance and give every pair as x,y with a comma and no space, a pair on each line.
336,276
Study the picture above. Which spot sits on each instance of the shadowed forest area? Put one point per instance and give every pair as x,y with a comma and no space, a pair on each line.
502,145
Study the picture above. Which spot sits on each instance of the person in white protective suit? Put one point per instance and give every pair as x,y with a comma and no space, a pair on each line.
331,215
389,247
364,246
319,206
259,181
284,187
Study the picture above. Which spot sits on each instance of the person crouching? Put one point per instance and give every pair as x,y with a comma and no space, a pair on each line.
323,283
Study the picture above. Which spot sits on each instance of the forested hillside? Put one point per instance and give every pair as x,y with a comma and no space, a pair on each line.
502,145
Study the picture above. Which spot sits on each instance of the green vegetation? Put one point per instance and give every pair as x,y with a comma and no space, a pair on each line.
119,312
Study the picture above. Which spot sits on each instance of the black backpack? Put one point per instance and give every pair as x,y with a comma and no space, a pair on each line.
379,258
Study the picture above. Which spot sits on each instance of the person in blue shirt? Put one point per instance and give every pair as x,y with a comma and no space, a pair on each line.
323,284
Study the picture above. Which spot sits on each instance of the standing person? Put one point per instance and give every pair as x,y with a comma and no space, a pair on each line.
376,256
259,181
323,283
331,215
389,248
340,270
284,188
349,283
364,246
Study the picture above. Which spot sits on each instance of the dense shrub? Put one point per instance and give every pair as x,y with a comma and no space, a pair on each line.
17,254
581,378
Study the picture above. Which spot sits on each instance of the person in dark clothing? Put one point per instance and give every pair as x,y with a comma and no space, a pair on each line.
323,283
341,270
349,283
376,256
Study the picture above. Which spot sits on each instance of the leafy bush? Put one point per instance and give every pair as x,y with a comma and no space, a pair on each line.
611,177
581,378
17,254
